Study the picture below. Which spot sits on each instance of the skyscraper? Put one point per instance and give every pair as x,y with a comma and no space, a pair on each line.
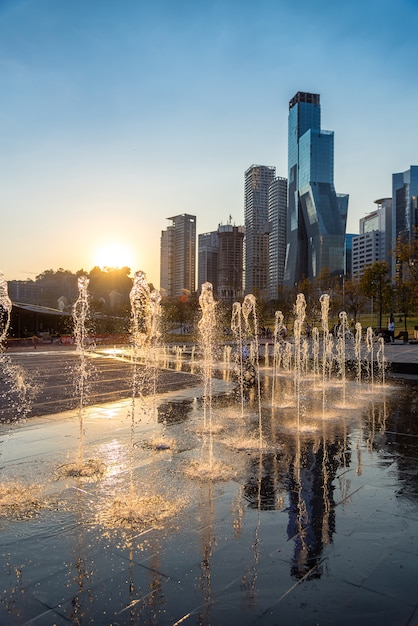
221,261
178,256
316,217
404,208
230,262
257,182
207,254
277,209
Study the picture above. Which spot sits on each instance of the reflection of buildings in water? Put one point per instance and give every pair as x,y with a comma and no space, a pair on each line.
146,604
83,576
208,543
262,491
311,501
401,439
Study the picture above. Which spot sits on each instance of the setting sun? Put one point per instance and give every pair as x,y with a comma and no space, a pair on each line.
113,255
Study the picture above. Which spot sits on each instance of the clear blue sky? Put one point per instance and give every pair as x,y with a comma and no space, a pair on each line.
116,115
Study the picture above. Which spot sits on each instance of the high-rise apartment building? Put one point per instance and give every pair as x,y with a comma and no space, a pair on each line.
207,254
178,256
316,217
404,208
221,261
230,262
257,183
277,213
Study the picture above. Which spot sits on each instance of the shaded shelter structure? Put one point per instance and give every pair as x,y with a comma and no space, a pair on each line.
29,319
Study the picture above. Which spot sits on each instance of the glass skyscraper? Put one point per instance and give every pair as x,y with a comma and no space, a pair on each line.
404,208
316,217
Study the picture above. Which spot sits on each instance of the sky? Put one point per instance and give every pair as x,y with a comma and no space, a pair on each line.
115,116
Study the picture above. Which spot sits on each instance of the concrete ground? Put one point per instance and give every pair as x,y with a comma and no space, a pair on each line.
233,513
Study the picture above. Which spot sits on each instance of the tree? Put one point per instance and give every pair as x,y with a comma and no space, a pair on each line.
54,284
406,299
353,299
406,253
374,283
110,289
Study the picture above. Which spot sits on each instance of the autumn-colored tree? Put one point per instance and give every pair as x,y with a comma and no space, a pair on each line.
406,254
353,299
374,283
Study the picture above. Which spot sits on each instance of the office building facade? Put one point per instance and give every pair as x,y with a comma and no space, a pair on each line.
404,209
317,215
257,182
178,256
373,243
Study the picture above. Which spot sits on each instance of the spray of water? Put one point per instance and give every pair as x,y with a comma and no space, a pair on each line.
249,312
369,345
5,310
144,328
315,350
341,349
207,330
81,311
278,335
18,390
380,358
357,350
236,327
324,301
300,312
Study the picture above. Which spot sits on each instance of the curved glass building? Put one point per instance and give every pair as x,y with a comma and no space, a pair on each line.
316,215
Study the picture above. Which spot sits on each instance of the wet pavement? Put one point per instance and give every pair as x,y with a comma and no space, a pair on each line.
238,513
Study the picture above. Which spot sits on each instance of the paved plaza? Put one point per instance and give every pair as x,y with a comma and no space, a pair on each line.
235,513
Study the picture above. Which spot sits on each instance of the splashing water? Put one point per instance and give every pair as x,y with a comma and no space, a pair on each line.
380,357
249,310
145,332
300,311
81,310
207,327
324,301
278,334
236,327
341,349
6,308
369,344
315,350
357,350
18,388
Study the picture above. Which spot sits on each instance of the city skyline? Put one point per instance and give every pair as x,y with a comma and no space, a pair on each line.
116,117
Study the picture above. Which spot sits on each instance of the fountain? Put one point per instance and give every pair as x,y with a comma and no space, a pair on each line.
267,502
18,388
